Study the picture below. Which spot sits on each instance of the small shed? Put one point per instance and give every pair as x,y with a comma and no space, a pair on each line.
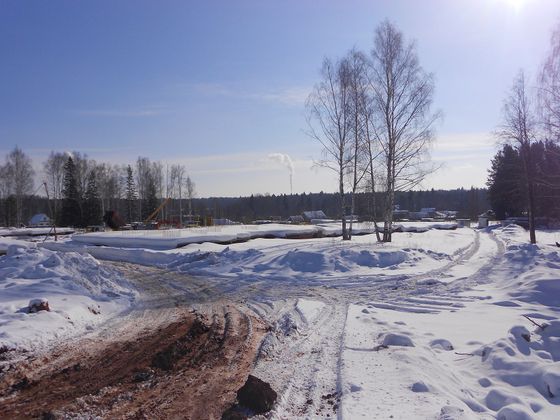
463,223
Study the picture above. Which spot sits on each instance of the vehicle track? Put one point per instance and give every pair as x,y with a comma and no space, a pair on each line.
303,366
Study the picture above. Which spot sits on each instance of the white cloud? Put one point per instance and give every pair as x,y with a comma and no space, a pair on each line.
126,113
465,159
291,95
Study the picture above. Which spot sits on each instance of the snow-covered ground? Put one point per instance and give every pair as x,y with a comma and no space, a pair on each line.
471,353
432,325
81,293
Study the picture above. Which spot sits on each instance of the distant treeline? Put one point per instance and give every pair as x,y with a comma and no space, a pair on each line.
468,202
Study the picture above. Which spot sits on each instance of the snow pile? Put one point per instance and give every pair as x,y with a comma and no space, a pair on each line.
175,238
321,259
420,227
524,360
79,291
295,260
303,263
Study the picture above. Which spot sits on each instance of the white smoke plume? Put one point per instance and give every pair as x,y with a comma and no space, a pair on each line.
286,161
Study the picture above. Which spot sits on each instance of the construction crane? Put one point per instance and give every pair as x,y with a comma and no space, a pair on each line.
156,211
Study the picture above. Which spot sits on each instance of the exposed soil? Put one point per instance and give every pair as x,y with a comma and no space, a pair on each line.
188,368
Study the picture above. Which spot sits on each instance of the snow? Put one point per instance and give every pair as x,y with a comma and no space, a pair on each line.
324,260
40,231
447,323
309,309
493,372
80,293
175,238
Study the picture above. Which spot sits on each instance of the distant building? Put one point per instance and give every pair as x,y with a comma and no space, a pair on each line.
39,220
314,215
427,213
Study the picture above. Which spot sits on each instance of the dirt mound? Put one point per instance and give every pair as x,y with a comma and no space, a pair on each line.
189,368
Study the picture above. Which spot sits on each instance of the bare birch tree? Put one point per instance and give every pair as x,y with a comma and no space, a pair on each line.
358,167
20,173
157,174
84,166
178,176
191,193
110,185
549,89
143,173
518,129
402,95
372,152
5,191
329,120
54,172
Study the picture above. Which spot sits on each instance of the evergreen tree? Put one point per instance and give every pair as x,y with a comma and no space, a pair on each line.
70,214
546,156
92,202
130,196
505,184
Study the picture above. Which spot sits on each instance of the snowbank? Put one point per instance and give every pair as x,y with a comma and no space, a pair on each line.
27,232
175,238
79,291
324,259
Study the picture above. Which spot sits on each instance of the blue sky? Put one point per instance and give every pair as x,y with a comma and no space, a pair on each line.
220,85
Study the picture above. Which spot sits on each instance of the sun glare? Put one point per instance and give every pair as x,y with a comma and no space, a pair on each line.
516,5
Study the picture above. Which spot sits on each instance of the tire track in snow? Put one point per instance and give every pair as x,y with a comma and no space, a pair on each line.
438,290
305,365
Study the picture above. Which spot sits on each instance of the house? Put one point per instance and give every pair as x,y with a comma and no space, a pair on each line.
39,220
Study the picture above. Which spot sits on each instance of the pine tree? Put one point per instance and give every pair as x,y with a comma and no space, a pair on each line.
70,214
505,184
92,202
546,156
130,196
